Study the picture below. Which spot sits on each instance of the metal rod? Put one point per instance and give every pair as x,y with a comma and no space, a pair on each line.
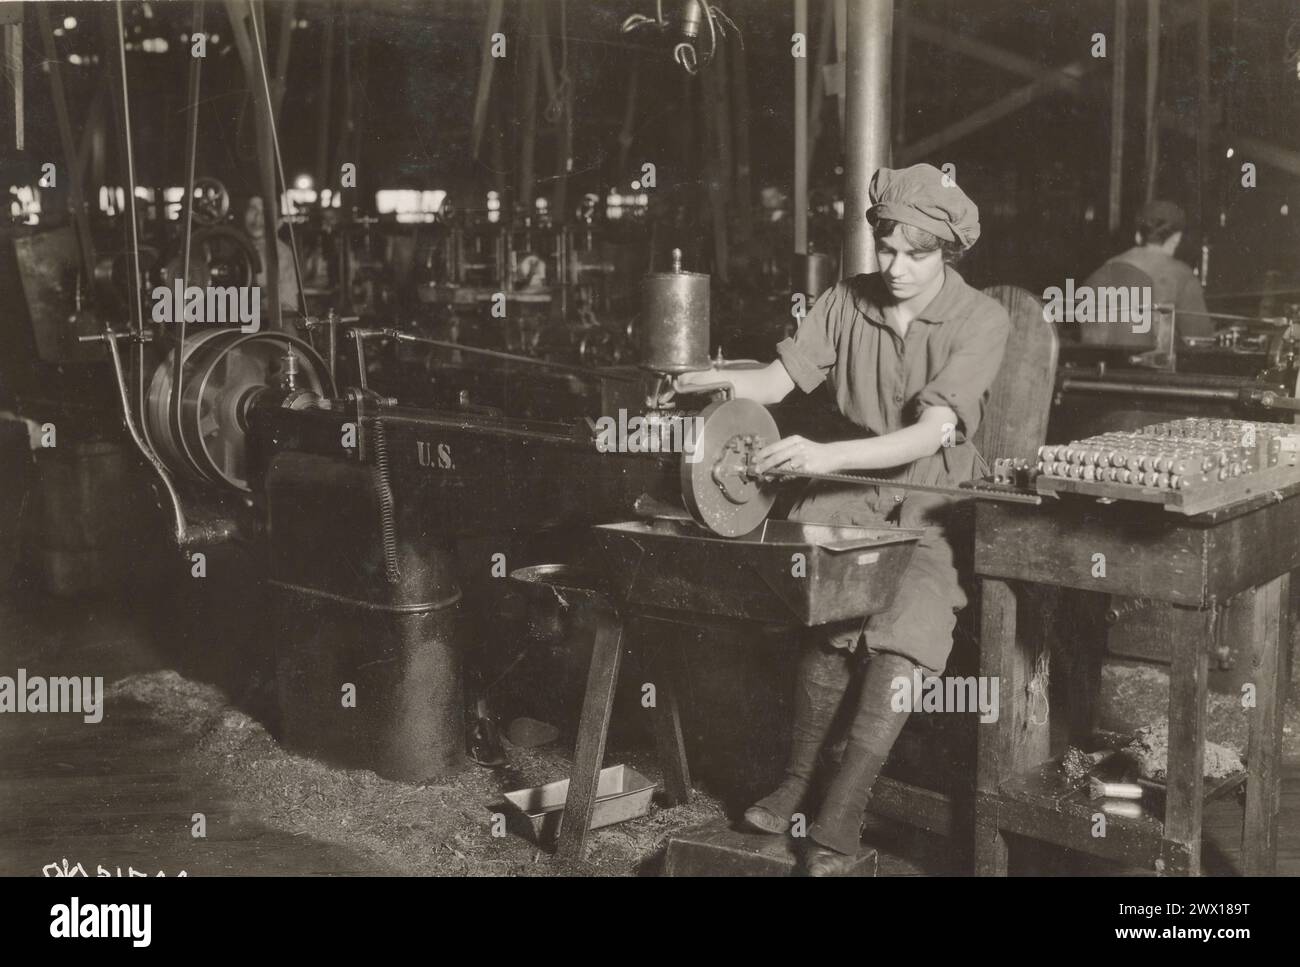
869,28
178,514
491,353
1271,320
1140,389
956,492
191,153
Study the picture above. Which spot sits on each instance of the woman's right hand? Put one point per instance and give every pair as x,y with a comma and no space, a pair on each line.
705,377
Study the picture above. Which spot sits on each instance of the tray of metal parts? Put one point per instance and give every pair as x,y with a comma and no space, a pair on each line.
1197,500
783,572
1188,466
622,793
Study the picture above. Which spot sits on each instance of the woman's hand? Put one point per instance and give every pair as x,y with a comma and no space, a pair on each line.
685,382
798,455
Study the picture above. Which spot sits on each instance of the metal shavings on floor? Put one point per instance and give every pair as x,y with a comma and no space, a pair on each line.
440,828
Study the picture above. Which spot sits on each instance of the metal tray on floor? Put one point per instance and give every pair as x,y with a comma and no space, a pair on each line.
622,793
783,572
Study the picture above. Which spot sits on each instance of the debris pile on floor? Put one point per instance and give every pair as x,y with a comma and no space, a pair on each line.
1149,752
1135,696
438,828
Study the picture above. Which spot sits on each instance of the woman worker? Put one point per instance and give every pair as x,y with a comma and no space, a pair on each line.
910,353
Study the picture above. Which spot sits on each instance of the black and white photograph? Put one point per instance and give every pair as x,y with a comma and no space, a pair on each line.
661,439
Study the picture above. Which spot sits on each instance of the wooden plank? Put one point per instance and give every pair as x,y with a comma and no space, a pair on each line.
913,805
1145,555
593,730
996,743
1071,826
663,662
1191,638
1252,549
1269,638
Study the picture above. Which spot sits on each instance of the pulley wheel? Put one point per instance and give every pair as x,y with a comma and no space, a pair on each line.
211,201
716,486
224,369
227,255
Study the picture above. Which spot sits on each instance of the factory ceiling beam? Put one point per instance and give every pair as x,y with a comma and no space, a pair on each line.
76,198
1247,148
987,53
1045,81
1048,83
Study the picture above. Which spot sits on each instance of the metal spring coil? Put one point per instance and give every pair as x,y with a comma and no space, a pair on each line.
387,515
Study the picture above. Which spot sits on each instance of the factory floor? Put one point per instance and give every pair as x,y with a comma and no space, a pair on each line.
173,754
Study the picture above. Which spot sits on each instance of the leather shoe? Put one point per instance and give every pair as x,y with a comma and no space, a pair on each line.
820,861
763,820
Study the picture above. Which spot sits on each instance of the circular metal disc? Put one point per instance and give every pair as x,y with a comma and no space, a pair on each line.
714,488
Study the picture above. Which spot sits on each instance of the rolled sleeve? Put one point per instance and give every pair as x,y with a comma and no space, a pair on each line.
812,352
965,380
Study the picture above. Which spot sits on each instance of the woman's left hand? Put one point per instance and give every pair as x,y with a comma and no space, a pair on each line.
798,455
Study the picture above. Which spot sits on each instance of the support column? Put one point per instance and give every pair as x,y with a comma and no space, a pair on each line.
869,28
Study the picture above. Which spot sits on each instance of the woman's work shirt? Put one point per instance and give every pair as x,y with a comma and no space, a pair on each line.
882,381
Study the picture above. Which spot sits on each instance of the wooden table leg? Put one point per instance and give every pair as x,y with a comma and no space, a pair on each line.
1191,639
1270,633
1013,743
663,661
593,729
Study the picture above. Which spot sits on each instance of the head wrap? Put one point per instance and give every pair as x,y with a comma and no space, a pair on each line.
923,197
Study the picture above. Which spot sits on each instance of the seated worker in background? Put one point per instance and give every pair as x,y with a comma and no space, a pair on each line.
910,352
255,225
1173,284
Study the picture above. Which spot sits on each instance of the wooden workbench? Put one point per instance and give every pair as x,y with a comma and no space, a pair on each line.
1190,566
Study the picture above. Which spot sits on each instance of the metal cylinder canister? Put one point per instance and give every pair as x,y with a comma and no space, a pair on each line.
675,320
